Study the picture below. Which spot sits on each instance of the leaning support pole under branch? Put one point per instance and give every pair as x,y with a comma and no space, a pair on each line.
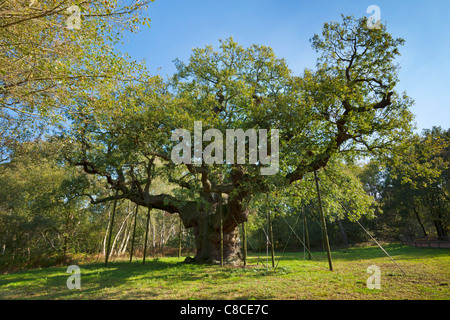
379,245
272,249
324,224
306,235
368,233
146,235
108,249
244,240
221,228
134,234
180,232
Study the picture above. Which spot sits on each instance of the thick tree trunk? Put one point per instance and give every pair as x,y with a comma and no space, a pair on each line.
180,232
207,241
206,226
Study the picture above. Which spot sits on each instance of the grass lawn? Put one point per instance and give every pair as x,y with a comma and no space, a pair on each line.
427,278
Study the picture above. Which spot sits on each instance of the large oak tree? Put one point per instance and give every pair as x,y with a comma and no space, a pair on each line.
347,107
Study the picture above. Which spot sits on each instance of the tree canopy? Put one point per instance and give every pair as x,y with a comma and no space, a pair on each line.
345,109
47,64
103,130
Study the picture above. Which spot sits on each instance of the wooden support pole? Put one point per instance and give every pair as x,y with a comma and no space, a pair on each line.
244,240
306,234
134,234
221,229
179,238
272,249
146,235
324,225
111,225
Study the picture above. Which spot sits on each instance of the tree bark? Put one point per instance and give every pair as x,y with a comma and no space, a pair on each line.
206,226
207,240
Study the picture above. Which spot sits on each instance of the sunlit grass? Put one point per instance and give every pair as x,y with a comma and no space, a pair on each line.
428,274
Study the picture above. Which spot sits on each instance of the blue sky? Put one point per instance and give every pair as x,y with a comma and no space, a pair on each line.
178,26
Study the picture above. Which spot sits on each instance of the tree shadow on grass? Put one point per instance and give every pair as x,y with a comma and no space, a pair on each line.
51,283
120,280
124,280
396,251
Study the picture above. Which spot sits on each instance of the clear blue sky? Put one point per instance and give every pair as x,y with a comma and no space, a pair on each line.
178,26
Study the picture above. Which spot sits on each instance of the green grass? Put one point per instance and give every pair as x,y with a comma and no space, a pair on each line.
428,277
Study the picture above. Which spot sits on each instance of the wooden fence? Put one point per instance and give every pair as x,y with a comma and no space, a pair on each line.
428,242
